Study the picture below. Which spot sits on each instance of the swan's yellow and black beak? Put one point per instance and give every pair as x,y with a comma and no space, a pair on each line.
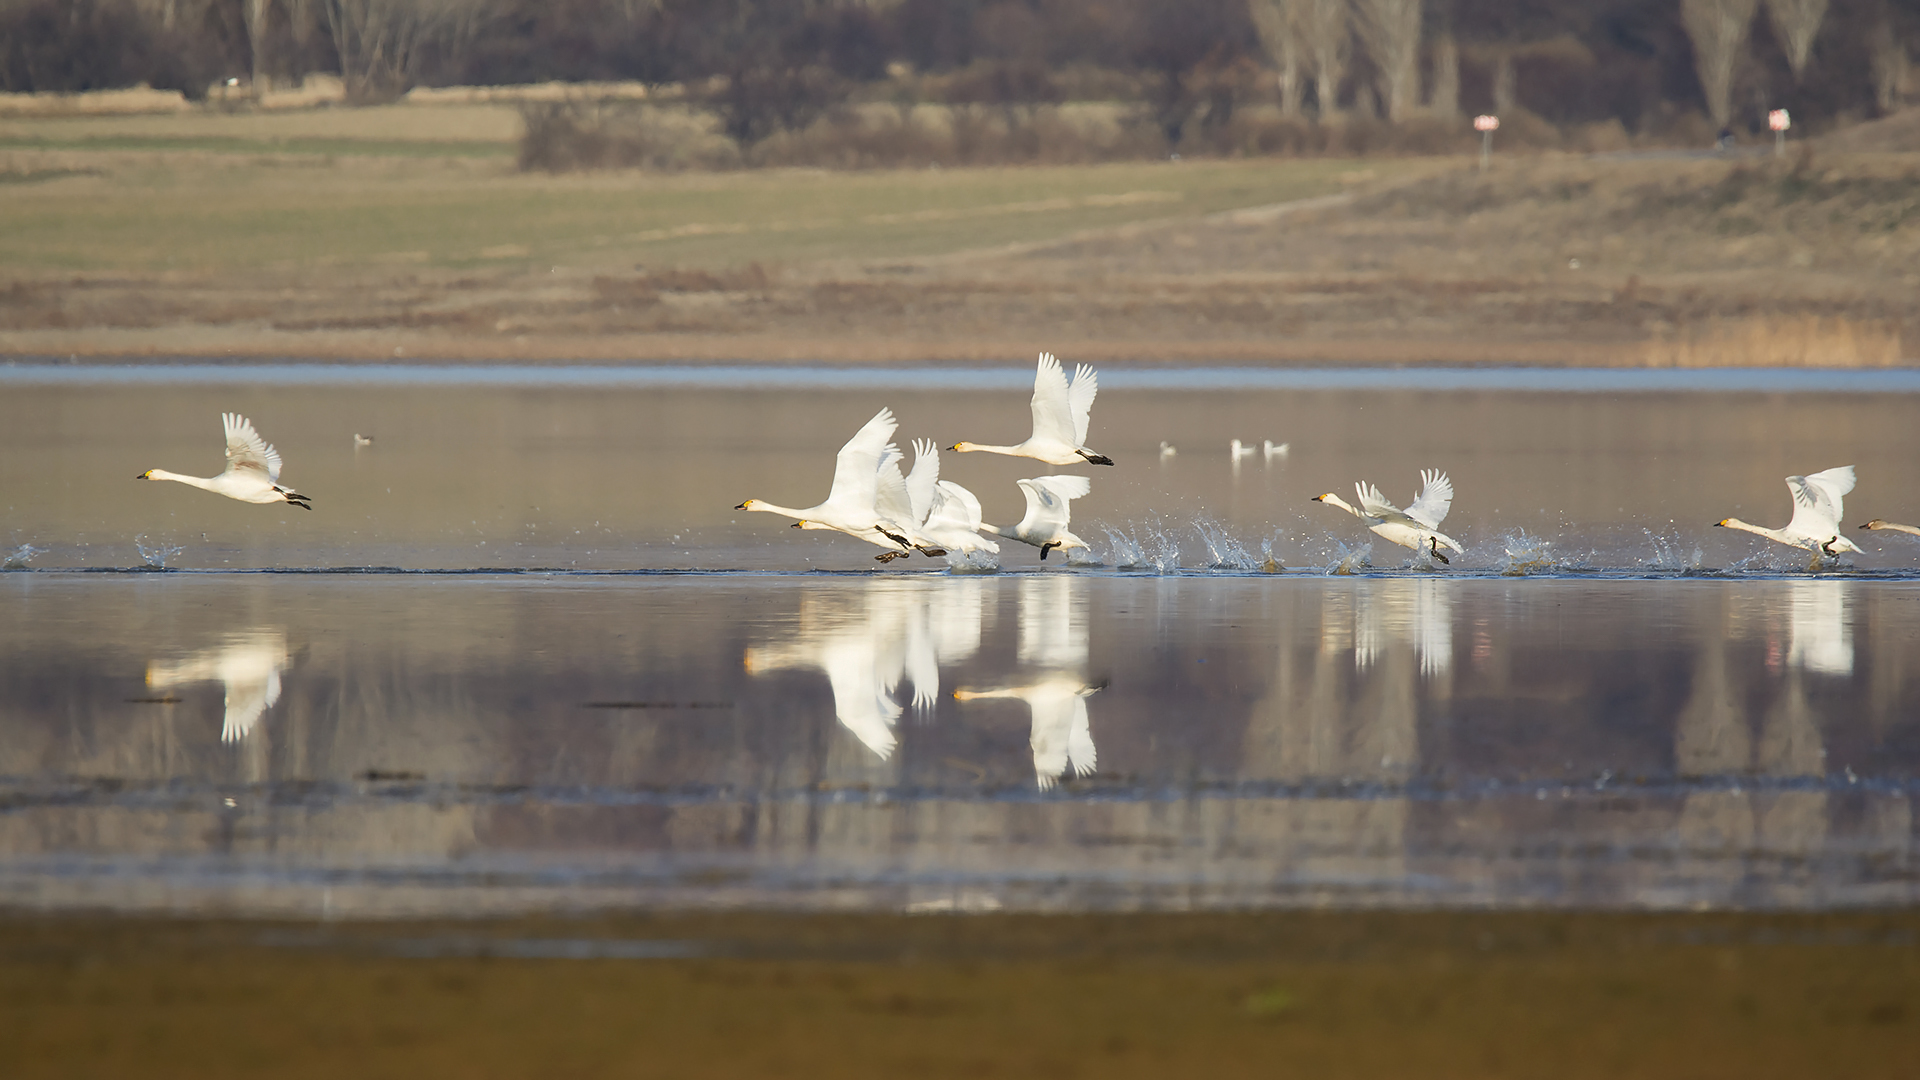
744,505
1320,498
1720,523
148,475
801,524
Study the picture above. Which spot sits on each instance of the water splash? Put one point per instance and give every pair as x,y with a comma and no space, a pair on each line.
156,556
1224,552
1269,562
1670,554
1143,547
1528,554
1346,560
21,556
1083,557
972,562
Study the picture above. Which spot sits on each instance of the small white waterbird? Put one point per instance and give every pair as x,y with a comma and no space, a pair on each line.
1416,527
1275,450
253,469
851,504
1060,414
1237,450
1167,449
1816,514
1876,524
946,514
1048,514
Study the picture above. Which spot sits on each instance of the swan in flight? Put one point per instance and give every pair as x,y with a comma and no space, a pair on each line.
851,504
860,653
1060,413
1816,514
946,515
1045,525
253,469
1876,524
249,664
1061,736
1416,527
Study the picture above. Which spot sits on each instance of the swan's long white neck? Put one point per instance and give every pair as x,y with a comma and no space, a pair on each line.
1761,530
1335,500
201,482
764,507
983,448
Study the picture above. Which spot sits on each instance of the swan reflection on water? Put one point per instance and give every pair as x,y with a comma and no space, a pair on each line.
900,629
248,663
1819,632
1053,647
1416,614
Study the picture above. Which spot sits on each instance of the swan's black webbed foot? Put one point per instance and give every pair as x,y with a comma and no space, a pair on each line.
889,556
1044,549
1095,459
896,538
1433,545
931,552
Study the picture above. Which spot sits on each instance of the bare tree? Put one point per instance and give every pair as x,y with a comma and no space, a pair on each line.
1391,31
379,41
1796,22
1278,23
257,13
1329,46
1887,62
1718,29
1445,99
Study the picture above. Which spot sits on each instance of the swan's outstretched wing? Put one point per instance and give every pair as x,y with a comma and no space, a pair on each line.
1817,501
248,696
956,507
890,498
922,660
1052,413
247,450
1053,717
862,701
1080,400
1435,499
1080,751
858,463
924,481
1374,503
1048,496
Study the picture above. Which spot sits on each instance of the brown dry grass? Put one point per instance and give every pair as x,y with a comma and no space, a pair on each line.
1315,993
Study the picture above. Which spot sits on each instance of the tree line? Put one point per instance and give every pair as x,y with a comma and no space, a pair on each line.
769,65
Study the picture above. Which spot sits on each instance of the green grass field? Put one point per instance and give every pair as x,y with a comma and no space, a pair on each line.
436,187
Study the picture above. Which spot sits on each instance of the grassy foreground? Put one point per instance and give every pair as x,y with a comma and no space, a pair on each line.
1309,994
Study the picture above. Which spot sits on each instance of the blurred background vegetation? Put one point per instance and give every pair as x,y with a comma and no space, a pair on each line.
724,83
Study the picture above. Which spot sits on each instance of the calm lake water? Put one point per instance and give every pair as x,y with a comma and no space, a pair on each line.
589,682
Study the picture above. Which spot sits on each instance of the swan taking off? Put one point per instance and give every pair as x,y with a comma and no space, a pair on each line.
1416,527
1045,525
1816,514
946,514
850,505
253,468
1060,415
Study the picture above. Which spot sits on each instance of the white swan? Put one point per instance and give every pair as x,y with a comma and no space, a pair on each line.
1416,527
1876,524
862,659
1816,514
1237,450
1275,450
945,513
1060,415
1167,449
1048,514
850,506
253,469
249,664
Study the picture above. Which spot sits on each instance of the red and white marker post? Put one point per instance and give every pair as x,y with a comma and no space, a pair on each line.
1779,121
1486,126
